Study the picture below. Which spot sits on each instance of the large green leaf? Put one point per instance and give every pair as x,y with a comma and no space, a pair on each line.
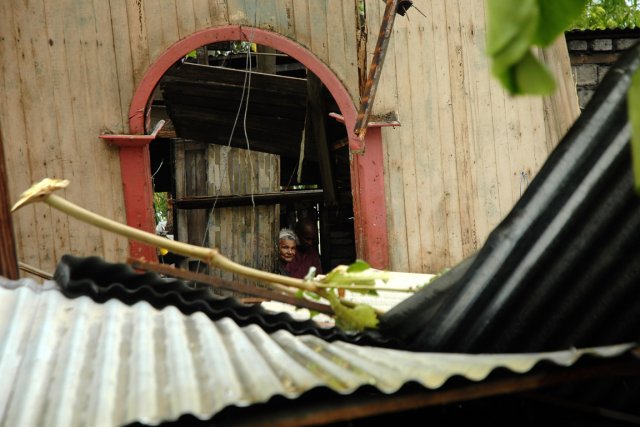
513,51
506,21
556,16
532,77
633,101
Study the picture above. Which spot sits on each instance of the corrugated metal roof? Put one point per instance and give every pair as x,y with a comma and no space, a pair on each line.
74,362
101,281
562,269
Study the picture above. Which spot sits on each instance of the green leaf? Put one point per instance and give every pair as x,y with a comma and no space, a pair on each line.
517,47
506,21
556,16
532,77
358,266
352,319
633,102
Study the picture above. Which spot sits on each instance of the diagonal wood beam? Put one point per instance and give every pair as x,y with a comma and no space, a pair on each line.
371,85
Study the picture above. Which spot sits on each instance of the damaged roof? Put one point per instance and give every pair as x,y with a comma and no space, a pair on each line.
561,270
73,362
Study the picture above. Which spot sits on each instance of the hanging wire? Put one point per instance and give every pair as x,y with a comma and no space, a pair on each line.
246,87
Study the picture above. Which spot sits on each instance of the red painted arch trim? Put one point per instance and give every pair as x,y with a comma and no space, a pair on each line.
368,194
178,50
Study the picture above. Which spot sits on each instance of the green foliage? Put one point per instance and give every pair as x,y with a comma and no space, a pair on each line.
514,28
609,14
161,205
510,40
357,277
633,100
354,319
358,274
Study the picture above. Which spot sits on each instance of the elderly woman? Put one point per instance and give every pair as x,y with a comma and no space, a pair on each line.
287,242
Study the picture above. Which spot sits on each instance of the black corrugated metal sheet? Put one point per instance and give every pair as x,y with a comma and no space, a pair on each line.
563,268
102,281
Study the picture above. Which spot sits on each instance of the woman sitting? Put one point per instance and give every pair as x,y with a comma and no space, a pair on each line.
287,242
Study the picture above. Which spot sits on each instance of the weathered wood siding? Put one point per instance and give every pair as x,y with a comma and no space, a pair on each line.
247,235
465,150
69,69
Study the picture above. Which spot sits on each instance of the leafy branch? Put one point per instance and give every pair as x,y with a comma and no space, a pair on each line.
514,28
349,316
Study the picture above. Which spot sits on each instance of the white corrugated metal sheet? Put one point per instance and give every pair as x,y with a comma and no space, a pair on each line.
74,362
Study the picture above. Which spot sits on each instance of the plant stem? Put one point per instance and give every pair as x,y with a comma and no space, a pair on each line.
365,287
211,256
42,191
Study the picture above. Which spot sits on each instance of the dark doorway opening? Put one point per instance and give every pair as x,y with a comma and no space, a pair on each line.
238,95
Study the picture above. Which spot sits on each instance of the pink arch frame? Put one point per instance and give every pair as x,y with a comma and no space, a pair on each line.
366,169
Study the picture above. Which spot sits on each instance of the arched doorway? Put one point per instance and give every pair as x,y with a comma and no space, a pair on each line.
366,168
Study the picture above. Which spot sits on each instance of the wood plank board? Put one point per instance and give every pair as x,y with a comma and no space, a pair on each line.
392,150
108,115
139,52
463,146
450,205
155,33
425,133
16,149
476,69
284,18
219,12
186,19
318,29
302,25
403,54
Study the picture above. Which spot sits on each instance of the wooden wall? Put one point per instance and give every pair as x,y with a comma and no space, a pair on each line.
69,68
247,235
465,150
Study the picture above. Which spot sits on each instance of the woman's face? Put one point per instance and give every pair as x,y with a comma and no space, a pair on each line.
287,250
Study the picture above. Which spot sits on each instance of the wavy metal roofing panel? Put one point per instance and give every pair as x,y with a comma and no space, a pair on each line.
73,362
102,281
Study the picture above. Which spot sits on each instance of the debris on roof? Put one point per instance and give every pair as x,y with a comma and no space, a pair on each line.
75,362
561,270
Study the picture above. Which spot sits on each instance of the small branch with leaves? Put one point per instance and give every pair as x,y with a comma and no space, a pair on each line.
358,277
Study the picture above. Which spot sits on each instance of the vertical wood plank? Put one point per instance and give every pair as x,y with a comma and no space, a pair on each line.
154,25
186,19
462,146
138,44
476,69
318,28
301,22
402,72
350,47
8,255
241,12
561,108
394,195
265,15
33,63
447,148
284,22
425,135
202,14
106,99
182,230
123,61
219,12
336,30
14,135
